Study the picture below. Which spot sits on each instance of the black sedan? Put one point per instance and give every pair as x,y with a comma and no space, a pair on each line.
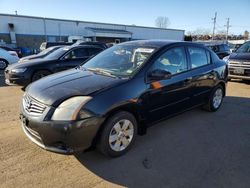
62,59
118,93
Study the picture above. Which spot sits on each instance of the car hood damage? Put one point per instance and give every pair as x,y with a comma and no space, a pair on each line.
54,89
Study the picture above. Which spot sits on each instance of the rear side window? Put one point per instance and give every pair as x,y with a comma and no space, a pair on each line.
198,57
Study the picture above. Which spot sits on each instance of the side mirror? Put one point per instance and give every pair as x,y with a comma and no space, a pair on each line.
159,74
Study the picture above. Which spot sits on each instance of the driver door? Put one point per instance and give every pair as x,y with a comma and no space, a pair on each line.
169,96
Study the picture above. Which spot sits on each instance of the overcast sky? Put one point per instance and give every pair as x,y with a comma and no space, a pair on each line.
187,15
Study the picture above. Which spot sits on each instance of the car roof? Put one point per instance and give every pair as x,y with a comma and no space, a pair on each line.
158,43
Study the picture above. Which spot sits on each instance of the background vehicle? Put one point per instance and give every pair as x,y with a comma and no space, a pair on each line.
239,62
7,58
222,50
119,92
42,54
59,60
46,45
18,51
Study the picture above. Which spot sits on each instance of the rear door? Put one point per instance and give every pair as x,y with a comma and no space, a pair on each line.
203,75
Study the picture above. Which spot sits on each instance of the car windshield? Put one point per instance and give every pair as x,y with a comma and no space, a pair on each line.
48,50
120,60
57,53
245,48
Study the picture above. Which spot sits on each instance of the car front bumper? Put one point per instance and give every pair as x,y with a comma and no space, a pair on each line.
65,137
22,79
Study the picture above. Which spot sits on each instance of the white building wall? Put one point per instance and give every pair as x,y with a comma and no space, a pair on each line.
35,26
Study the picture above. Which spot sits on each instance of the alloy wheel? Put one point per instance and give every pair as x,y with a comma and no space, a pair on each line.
121,135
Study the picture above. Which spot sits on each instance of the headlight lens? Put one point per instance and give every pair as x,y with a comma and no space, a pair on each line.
18,70
226,58
69,109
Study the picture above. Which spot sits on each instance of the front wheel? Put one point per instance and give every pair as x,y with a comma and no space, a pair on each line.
215,99
3,64
40,74
118,134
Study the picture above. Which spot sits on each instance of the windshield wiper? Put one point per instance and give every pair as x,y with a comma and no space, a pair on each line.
102,72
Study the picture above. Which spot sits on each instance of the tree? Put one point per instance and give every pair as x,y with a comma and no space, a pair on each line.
246,35
162,22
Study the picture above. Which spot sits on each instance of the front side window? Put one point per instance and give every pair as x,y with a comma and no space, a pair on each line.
77,53
120,60
198,57
173,61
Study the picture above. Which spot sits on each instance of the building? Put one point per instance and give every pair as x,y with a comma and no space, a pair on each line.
29,31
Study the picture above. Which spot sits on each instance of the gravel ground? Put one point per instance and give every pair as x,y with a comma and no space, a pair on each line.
195,149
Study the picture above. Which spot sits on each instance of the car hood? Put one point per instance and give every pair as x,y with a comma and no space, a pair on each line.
240,56
27,63
54,89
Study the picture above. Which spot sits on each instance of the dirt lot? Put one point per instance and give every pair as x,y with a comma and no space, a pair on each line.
195,149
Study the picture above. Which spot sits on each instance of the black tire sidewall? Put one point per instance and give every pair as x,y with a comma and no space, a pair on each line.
6,64
103,144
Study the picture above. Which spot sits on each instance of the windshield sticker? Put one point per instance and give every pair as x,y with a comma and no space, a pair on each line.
145,50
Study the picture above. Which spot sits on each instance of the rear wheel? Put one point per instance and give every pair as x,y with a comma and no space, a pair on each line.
118,134
215,99
3,64
40,74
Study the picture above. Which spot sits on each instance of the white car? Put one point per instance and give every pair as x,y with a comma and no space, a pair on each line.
7,58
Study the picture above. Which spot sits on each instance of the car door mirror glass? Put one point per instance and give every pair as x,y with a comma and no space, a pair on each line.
159,74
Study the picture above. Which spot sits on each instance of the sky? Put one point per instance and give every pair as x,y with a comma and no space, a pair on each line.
189,15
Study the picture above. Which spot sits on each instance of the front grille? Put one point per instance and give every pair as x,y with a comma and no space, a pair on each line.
32,106
239,64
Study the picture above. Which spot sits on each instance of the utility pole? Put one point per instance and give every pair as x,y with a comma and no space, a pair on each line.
228,21
214,21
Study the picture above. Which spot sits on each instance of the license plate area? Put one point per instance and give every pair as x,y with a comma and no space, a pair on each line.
239,71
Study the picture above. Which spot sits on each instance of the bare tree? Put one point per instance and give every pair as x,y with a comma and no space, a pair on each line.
162,22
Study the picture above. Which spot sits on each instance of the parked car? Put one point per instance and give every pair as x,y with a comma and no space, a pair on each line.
118,93
59,60
7,58
239,62
46,45
17,50
222,50
92,43
42,54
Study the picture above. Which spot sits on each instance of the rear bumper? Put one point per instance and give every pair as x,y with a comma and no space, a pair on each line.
64,137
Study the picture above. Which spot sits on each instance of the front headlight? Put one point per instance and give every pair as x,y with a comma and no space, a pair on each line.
18,70
69,109
226,59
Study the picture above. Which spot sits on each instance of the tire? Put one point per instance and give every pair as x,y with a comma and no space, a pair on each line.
215,99
113,143
40,74
3,64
